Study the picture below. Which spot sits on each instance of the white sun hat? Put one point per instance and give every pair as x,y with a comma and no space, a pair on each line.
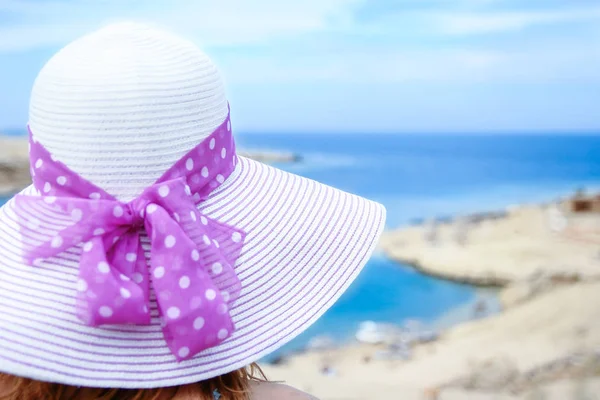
125,110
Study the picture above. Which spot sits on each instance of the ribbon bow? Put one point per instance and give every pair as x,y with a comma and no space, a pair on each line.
192,256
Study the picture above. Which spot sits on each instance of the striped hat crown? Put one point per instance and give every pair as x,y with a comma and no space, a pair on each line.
121,105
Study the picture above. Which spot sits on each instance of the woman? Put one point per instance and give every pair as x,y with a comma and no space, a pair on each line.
148,260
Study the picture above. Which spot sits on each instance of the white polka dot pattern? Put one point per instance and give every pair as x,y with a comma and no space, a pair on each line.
113,248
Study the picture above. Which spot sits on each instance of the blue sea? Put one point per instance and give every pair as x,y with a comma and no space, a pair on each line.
420,176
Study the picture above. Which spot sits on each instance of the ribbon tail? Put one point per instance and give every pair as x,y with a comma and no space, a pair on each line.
194,313
107,291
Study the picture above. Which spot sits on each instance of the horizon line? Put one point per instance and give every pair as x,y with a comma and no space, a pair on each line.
469,132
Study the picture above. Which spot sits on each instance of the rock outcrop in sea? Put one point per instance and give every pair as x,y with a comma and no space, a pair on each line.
14,165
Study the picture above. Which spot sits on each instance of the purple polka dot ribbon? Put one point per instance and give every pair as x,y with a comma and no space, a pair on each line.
191,256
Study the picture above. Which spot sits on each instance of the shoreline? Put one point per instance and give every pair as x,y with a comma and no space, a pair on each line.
477,282
509,355
544,338
464,313
498,249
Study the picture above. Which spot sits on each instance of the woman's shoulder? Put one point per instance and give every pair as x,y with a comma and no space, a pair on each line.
276,391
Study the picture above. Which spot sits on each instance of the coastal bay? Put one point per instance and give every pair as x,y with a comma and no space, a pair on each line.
546,341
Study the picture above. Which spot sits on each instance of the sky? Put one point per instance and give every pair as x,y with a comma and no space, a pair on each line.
397,66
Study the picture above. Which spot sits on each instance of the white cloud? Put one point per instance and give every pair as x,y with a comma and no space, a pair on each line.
574,63
213,23
315,40
489,22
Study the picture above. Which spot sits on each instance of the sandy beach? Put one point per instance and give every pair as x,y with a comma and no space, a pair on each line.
518,246
545,342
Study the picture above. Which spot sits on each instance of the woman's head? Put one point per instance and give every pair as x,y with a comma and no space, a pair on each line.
235,385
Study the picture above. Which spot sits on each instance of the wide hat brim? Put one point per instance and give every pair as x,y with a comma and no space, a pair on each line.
306,242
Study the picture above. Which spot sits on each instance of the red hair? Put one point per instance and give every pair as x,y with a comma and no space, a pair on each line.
232,386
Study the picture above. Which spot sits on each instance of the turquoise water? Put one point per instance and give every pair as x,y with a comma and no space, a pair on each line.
384,292
421,176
